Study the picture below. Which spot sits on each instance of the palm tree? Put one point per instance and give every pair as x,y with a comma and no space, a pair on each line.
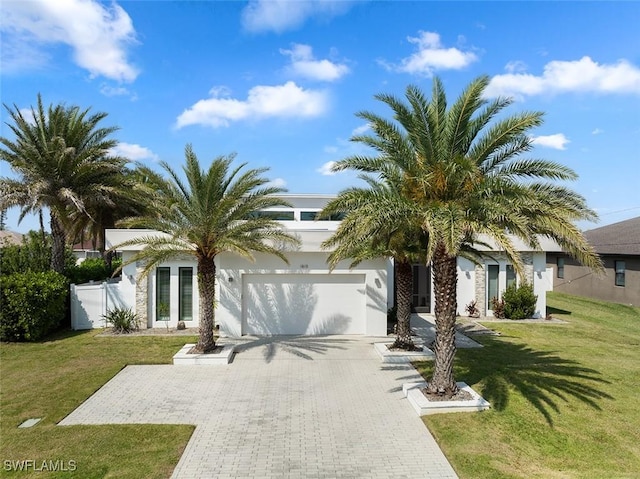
122,197
61,158
465,182
209,214
365,233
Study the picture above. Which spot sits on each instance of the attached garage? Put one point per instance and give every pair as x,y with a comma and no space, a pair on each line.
305,304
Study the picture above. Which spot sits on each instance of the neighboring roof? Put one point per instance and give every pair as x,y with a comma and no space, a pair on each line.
10,237
617,238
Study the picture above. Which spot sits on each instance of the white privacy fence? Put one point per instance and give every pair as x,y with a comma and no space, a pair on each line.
91,301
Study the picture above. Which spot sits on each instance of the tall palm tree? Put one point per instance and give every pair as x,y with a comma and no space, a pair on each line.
61,158
209,214
465,182
122,198
366,233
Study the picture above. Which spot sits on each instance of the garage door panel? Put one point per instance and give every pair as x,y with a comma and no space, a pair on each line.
303,304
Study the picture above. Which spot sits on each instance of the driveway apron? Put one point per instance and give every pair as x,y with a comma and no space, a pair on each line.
286,407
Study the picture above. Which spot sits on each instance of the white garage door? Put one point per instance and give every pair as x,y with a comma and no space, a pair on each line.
303,304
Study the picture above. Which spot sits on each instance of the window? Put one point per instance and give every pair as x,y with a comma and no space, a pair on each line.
163,293
185,297
620,268
560,266
312,216
274,215
493,273
511,275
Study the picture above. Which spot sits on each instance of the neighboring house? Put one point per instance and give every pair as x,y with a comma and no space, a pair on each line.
269,297
84,250
618,245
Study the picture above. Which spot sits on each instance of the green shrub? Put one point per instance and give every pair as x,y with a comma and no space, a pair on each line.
34,254
122,320
31,305
519,302
91,269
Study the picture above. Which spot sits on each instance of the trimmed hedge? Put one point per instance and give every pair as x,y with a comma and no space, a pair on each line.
519,302
91,269
31,305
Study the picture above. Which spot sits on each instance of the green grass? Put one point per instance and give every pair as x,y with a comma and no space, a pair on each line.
50,379
565,397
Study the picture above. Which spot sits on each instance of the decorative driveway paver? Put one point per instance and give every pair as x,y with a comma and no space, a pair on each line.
304,407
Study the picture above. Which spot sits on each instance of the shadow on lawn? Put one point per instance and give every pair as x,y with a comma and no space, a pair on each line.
300,346
551,311
542,377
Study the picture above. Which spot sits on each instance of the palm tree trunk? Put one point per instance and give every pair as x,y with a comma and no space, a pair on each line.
404,282
59,240
445,279
207,292
41,219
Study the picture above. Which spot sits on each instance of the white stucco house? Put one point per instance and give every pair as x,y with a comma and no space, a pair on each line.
270,297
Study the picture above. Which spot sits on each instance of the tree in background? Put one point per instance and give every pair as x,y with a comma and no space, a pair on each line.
62,160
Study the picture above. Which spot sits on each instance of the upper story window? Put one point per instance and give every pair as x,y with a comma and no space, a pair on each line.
620,269
313,216
560,266
274,215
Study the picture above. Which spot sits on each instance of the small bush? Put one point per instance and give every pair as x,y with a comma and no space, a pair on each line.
472,309
122,320
497,305
519,302
31,305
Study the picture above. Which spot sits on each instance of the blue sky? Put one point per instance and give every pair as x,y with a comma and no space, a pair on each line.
279,82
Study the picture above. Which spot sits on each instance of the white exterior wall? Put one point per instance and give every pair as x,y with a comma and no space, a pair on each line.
229,288
466,285
541,281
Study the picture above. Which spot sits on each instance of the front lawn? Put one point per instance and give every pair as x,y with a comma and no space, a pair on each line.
565,397
50,379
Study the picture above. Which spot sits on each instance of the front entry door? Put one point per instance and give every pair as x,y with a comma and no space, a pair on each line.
421,299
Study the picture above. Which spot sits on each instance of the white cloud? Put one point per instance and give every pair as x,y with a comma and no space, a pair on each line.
98,35
325,169
597,131
277,183
108,90
303,64
360,129
134,152
516,66
431,55
282,15
331,149
557,141
582,75
288,100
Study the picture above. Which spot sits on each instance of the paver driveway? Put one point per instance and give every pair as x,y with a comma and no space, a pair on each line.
305,407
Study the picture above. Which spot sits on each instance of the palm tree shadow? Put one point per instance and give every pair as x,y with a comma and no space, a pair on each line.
301,346
544,378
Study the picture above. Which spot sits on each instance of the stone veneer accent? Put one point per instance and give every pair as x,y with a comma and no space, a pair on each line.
480,289
142,287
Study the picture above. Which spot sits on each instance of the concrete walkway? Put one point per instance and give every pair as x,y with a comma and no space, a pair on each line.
301,407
